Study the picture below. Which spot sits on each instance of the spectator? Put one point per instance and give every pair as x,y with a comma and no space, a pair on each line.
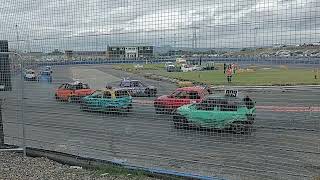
229,74
233,66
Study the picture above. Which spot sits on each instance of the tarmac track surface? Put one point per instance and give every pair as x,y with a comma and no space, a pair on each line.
284,144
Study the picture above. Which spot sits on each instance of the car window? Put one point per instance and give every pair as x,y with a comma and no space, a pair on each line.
62,86
45,73
181,95
97,95
248,102
193,95
140,84
226,105
207,105
68,86
107,95
85,86
125,84
134,84
121,93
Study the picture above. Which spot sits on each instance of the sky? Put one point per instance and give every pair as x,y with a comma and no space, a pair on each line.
44,25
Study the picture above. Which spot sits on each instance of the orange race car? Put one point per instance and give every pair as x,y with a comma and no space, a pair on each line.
73,92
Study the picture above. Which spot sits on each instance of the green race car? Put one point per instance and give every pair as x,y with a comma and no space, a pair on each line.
227,112
108,100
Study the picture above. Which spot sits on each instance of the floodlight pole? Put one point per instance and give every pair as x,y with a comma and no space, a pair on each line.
1,126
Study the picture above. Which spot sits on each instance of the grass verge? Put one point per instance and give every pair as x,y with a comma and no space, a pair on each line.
275,76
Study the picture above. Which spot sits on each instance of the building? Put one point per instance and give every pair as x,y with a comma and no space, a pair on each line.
70,54
130,52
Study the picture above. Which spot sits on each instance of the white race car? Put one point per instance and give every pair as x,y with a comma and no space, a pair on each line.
30,75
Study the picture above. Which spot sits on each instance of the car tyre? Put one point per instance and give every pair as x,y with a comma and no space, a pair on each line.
129,108
56,97
242,127
180,122
159,109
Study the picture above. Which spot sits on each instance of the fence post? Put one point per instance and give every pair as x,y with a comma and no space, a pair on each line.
1,126
22,108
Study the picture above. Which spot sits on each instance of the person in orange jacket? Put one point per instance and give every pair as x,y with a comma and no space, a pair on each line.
229,74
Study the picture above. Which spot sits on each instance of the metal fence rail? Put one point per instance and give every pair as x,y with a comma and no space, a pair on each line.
131,109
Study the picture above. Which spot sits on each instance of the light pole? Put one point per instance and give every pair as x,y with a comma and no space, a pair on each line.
18,43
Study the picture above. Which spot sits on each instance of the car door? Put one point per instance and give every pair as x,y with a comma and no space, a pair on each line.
204,114
59,90
95,101
126,85
65,92
106,102
134,87
226,112
180,99
140,89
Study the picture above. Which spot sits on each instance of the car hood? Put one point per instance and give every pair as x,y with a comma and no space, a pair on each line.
163,97
30,75
151,87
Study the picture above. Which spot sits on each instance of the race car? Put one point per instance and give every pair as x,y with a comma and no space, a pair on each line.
180,97
107,100
48,68
45,76
73,92
222,111
137,88
30,75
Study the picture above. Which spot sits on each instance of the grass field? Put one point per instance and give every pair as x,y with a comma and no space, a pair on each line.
260,76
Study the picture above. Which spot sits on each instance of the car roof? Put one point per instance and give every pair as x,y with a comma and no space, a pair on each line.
111,90
75,83
192,88
129,80
223,96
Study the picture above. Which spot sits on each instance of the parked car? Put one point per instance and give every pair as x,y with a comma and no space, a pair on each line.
73,92
180,97
45,76
189,68
173,68
30,75
234,113
137,88
108,100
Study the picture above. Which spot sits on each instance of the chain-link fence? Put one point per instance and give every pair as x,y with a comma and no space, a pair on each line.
226,89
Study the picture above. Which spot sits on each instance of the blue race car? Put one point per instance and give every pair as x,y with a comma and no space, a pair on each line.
108,100
45,76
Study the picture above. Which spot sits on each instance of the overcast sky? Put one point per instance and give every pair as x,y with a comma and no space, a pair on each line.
95,24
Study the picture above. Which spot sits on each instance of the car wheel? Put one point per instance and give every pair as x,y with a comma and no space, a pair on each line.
129,108
180,122
241,127
56,97
83,107
159,109
148,92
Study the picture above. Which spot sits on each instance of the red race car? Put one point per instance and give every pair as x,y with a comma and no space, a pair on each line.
180,97
73,92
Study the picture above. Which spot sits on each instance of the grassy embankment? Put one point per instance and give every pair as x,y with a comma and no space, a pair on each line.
255,75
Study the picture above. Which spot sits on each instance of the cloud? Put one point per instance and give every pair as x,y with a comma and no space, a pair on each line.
67,23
